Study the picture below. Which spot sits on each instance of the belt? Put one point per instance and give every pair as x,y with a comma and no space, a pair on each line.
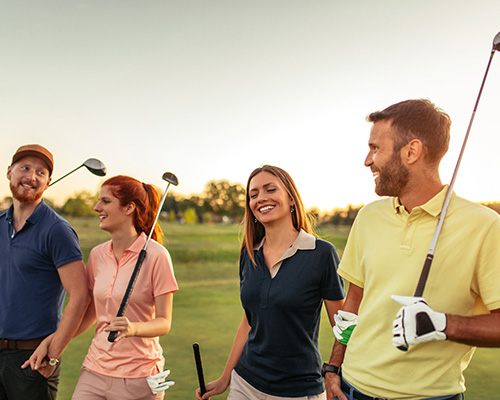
30,344
361,396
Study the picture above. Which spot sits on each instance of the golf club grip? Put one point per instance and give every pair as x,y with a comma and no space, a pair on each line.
419,291
126,297
199,368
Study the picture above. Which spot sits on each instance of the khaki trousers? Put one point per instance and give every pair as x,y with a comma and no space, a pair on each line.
94,386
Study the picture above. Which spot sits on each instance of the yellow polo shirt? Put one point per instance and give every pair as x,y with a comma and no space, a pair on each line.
384,255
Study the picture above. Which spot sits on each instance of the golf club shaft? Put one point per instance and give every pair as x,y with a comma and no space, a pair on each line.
142,255
419,291
199,368
430,255
157,216
64,176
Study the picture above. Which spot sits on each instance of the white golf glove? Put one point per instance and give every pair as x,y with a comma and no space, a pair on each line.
345,322
157,382
416,323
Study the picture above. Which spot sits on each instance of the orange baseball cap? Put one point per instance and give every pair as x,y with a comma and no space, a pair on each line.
35,150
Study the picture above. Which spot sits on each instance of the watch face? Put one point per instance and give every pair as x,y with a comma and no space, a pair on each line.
53,361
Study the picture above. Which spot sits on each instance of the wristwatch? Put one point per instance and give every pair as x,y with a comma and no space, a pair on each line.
329,368
53,362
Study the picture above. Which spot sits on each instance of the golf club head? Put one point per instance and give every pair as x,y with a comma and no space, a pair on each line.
170,178
496,42
95,166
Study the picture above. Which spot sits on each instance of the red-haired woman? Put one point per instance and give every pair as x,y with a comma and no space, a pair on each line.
286,274
118,370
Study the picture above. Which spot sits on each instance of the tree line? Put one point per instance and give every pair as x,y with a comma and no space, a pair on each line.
220,202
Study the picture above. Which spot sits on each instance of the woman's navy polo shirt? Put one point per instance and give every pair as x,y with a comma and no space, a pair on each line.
281,356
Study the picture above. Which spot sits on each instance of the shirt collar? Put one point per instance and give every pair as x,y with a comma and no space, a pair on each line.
304,241
433,207
35,215
135,247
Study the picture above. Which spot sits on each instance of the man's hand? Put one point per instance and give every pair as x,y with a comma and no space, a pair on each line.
416,323
345,322
333,390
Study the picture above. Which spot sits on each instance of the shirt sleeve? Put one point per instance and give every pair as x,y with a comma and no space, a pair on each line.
351,267
332,286
64,244
488,268
163,276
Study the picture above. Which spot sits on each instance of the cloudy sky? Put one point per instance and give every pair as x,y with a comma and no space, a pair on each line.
211,89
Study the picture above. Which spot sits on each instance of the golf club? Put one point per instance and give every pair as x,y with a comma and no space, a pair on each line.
92,164
430,255
199,368
171,179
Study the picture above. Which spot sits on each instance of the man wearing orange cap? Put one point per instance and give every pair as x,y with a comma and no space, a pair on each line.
40,260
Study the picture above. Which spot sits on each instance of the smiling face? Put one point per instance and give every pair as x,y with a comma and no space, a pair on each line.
112,215
391,175
29,178
268,199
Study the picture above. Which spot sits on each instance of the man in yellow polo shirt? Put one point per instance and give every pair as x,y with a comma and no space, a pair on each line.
383,259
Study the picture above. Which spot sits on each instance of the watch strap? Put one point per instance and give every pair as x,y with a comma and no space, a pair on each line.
329,368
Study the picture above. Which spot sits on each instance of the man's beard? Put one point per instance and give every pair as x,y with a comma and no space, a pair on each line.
393,177
25,197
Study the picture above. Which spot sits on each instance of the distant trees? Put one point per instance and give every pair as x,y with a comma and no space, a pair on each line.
5,203
340,216
220,201
80,205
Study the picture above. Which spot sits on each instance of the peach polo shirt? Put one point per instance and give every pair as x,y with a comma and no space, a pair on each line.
133,357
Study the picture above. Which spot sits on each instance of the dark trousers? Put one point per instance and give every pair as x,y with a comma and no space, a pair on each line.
24,384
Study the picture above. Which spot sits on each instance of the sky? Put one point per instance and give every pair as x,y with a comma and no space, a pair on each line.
211,89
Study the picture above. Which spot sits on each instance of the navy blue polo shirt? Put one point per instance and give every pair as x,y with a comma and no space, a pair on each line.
281,356
31,293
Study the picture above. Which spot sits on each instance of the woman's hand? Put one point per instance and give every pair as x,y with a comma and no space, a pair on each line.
214,388
123,326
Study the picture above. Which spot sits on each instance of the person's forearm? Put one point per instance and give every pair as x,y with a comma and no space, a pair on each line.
338,352
70,321
156,327
88,319
237,349
351,304
480,330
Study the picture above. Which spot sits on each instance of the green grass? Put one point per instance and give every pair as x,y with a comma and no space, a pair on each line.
207,310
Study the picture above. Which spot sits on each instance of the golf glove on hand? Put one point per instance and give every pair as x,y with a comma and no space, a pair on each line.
345,322
157,382
416,323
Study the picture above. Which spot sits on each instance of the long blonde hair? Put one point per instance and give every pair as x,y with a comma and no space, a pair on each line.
254,231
